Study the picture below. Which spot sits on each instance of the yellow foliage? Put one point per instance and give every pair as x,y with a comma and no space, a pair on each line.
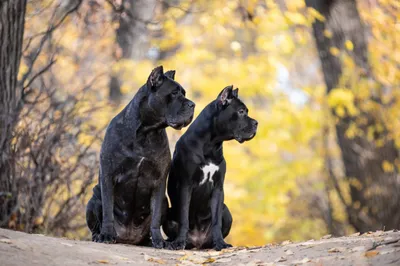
328,33
296,18
349,45
342,99
334,51
387,166
314,14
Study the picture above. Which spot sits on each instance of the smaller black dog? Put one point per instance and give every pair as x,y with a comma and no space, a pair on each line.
196,179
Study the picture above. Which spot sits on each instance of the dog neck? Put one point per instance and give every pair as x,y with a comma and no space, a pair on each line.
204,131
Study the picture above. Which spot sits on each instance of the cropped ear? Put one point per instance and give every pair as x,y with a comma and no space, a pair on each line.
170,74
235,93
156,77
225,96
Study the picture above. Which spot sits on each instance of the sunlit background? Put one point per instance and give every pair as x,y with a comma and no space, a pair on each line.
290,181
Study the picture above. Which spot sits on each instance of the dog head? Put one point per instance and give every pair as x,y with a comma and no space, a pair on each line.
167,99
232,121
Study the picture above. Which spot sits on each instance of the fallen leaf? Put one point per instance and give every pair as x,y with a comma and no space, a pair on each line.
280,259
103,261
151,259
209,260
308,243
336,250
305,260
66,244
289,252
371,253
184,257
5,241
286,242
326,237
355,234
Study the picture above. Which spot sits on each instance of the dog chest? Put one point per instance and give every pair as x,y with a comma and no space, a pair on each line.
208,172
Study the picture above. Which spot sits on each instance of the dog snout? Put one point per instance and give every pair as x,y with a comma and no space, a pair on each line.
191,104
255,123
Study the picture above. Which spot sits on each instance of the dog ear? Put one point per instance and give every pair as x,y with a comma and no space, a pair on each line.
225,96
170,74
156,77
235,93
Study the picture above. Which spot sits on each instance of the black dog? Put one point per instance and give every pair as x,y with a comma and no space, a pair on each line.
196,179
127,203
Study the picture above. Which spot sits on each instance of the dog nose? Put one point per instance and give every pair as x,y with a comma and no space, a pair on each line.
191,104
255,123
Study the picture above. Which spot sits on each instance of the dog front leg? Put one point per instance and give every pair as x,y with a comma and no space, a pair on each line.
157,202
217,200
107,233
185,197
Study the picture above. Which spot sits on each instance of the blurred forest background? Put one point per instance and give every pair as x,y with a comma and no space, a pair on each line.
322,77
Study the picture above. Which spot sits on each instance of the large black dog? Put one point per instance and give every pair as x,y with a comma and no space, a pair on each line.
135,158
196,179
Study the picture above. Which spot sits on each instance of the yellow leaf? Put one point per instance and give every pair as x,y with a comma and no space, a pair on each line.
315,14
371,253
349,45
151,259
334,51
296,18
328,34
387,166
209,260
340,111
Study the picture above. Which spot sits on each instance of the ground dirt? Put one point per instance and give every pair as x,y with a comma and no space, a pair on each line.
375,248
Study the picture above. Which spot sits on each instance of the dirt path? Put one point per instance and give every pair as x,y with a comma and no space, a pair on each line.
18,248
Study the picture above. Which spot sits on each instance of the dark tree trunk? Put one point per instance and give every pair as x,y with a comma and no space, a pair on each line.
131,36
12,20
376,204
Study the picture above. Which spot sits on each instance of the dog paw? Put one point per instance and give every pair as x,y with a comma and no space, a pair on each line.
177,244
94,237
108,238
219,245
158,243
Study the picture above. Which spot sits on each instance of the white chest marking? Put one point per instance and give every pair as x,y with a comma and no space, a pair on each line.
208,172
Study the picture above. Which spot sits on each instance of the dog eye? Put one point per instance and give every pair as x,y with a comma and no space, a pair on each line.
242,112
174,93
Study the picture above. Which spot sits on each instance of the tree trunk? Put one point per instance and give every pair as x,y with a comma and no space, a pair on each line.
376,204
12,21
131,36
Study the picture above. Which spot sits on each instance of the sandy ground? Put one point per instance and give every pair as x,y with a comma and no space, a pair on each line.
376,248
